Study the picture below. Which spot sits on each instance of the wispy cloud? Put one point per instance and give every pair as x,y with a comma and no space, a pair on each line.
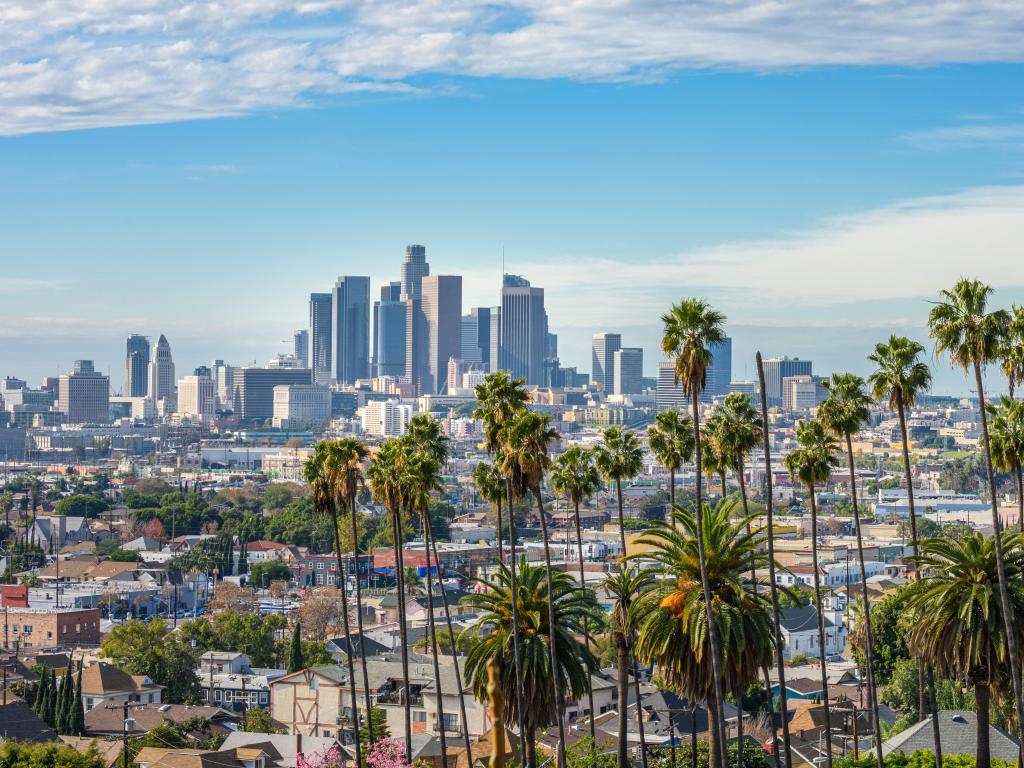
979,133
29,285
65,64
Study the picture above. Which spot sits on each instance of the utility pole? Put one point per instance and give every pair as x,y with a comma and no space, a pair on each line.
125,706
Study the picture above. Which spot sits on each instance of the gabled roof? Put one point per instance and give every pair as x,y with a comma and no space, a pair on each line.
802,619
959,737
18,721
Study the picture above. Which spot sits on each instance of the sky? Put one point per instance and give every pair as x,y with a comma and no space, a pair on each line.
817,171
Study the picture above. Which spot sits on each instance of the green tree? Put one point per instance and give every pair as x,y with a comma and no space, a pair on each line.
671,441
53,754
257,720
295,660
490,484
149,648
267,571
76,718
81,505
1012,353
1008,444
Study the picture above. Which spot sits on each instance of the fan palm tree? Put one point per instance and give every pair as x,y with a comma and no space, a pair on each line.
844,412
811,463
961,325
691,329
491,484
525,440
712,456
491,635
499,399
672,616
1008,443
326,474
1012,356
575,476
739,433
386,483
960,628
625,585
671,441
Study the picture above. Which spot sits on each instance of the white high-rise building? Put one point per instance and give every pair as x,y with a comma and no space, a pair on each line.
197,398
387,418
161,372
628,363
301,407
602,370
84,395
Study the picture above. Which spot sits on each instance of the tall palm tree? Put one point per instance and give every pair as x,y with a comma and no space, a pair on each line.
491,639
386,482
673,616
773,587
691,329
712,455
499,399
811,463
574,475
325,473
491,484
1012,354
625,585
619,457
960,628
961,325
844,412
525,440
1008,444
671,441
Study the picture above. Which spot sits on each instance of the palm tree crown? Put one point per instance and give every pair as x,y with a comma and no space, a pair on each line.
811,462
692,327
847,407
499,398
1007,434
739,428
962,325
525,439
900,377
618,456
575,476
671,439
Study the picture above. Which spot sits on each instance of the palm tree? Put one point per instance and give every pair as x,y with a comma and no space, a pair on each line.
712,457
499,399
811,462
960,628
672,614
619,457
525,440
844,412
386,482
625,585
1008,444
773,587
692,328
671,441
574,475
325,473
1012,356
962,326
491,637
491,485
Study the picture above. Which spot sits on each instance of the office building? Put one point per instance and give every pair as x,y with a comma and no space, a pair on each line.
802,393
350,329
197,398
719,376
300,347
385,418
301,407
476,335
223,376
320,337
161,373
523,330
414,269
778,368
254,390
84,395
603,347
493,358
136,366
441,301
628,365
389,316
416,348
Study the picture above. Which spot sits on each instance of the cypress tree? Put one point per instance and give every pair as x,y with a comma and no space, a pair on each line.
77,719
64,702
39,705
295,660
50,711
243,559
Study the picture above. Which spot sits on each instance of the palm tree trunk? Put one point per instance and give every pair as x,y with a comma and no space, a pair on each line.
527,751
586,626
552,650
1004,594
455,661
1020,497
622,680
622,519
936,735
868,664
403,631
344,621
432,629
821,621
693,736
983,755
721,477
772,586
717,738
639,709
501,549
359,625
672,487
714,713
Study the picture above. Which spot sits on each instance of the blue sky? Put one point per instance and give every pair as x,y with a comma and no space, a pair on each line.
817,189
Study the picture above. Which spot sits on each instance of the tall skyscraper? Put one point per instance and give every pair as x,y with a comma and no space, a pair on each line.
161,372
389,331
629,370
414,269
254,390
720,373
493,358
320,337
416,347
197,398
778,368
136,366
300,347
350,329
523,330
441,300
84,395
602,370
476,335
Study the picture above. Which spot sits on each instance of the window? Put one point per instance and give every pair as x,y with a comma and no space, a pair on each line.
451,722
419,716
217,692
320,566
27,629
49,635
14,628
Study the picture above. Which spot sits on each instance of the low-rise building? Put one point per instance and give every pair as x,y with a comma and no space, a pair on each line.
103,683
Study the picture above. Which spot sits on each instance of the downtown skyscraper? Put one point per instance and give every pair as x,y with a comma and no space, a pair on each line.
441,302
414,269
136,366
602,369
350,329
161,373
523,330
320,337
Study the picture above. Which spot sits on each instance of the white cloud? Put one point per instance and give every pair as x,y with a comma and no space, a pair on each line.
67,64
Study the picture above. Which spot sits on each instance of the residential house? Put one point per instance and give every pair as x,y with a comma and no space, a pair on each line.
109,721
229,681
959,737
103,683
800,632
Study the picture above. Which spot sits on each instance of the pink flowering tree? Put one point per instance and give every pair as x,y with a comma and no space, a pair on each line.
332,757
386,753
